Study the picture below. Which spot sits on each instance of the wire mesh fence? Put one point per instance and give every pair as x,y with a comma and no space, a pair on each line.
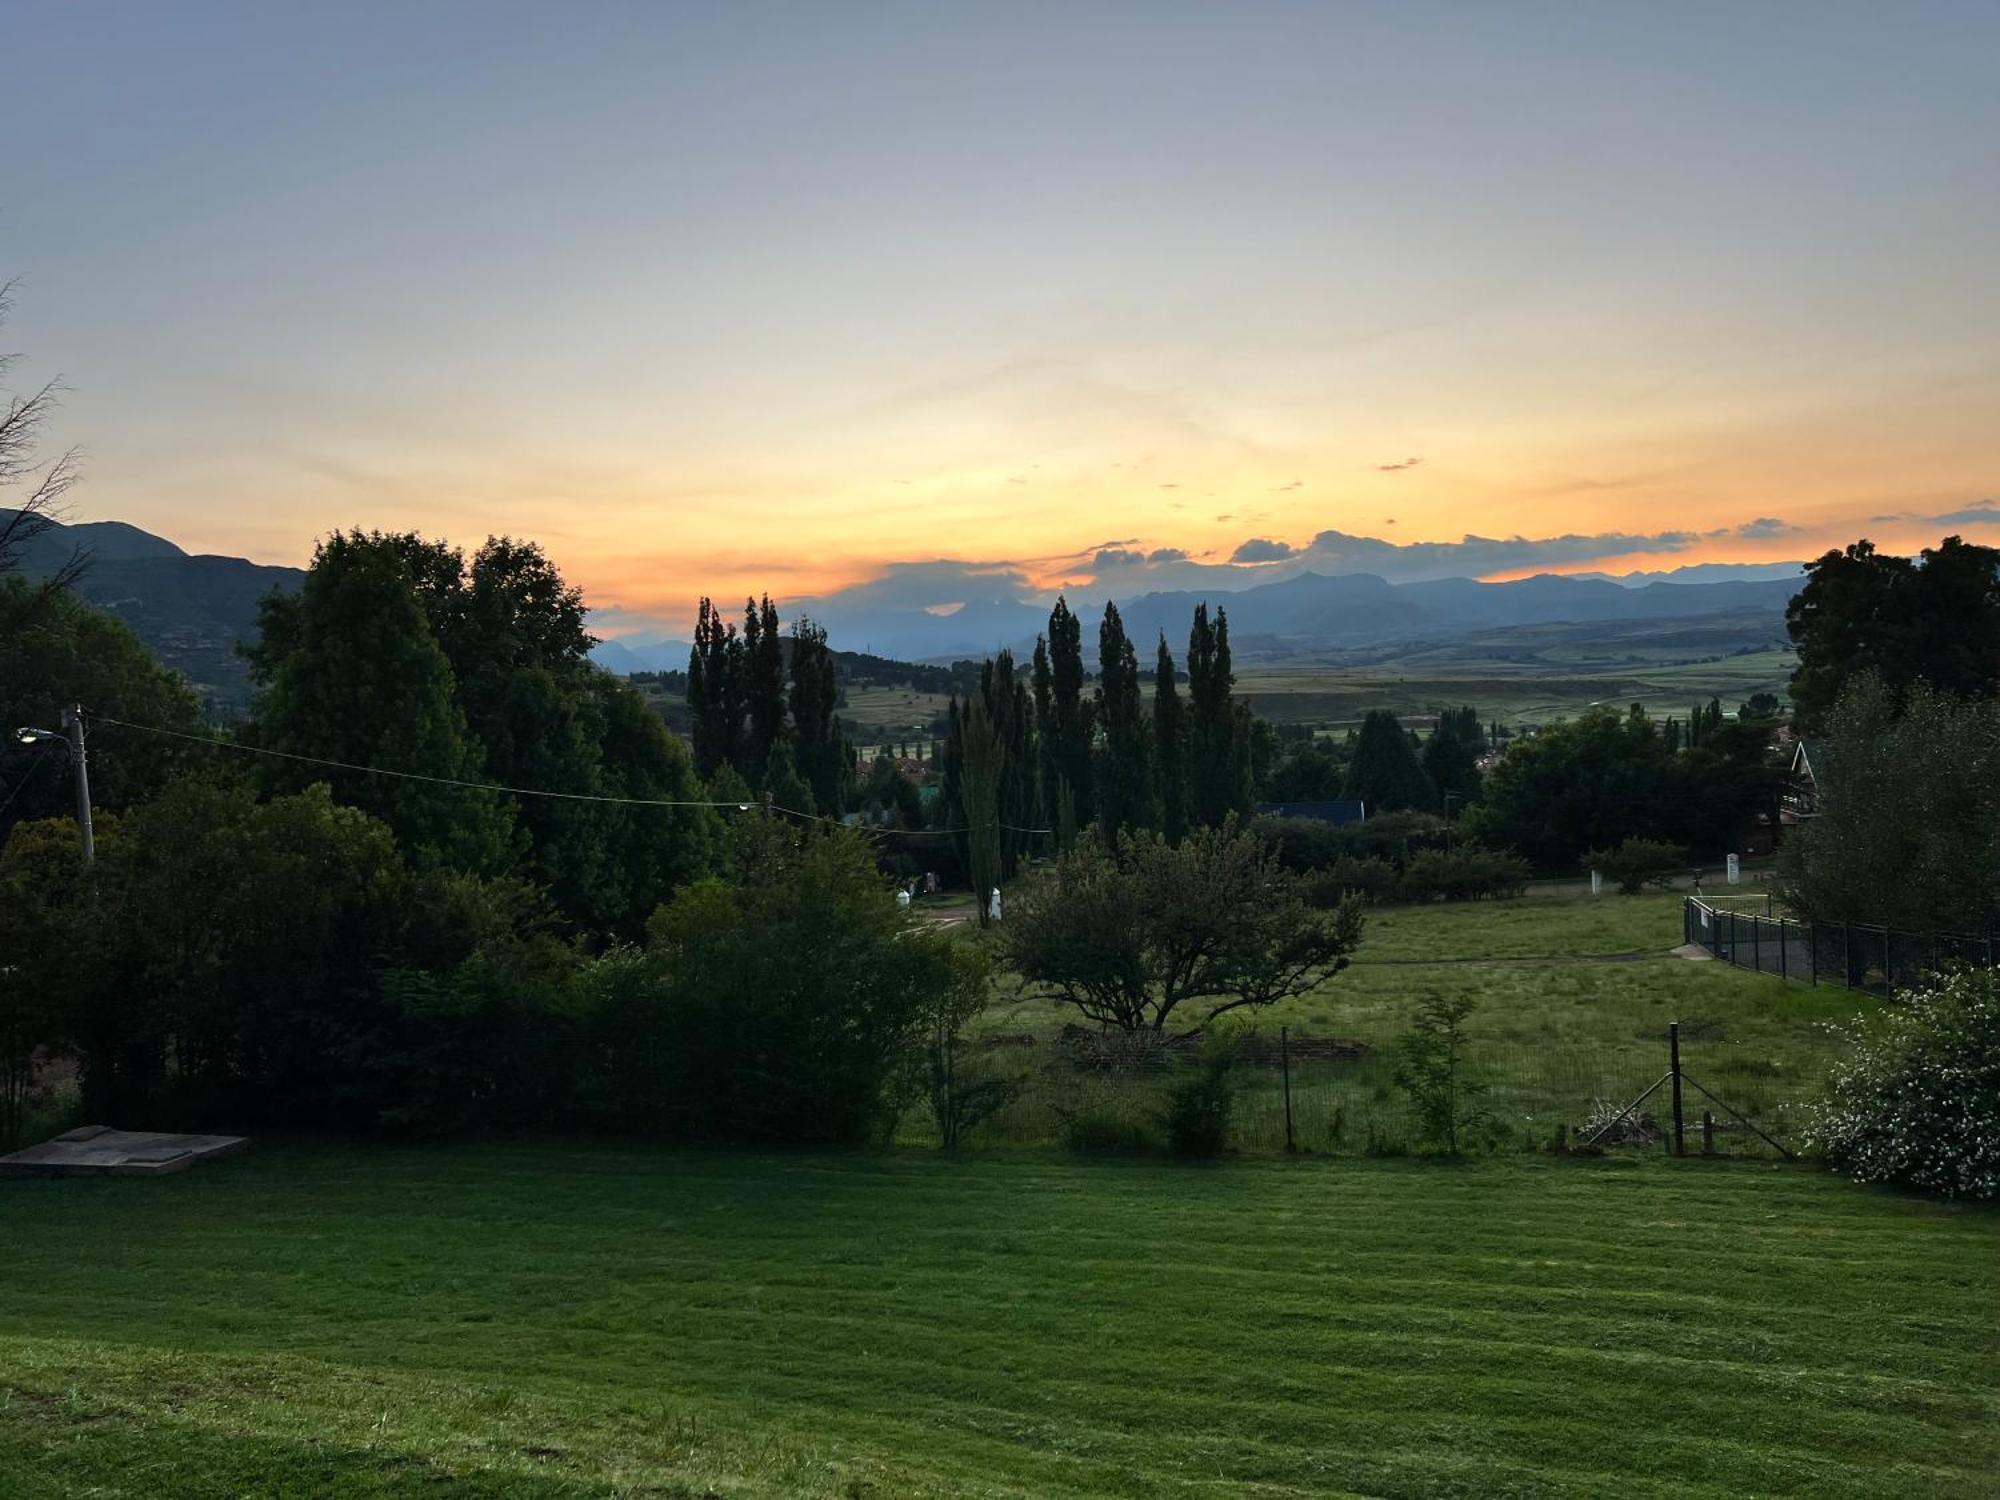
1854,954
1106,1091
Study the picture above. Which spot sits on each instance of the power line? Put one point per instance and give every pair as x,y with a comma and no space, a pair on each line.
512,791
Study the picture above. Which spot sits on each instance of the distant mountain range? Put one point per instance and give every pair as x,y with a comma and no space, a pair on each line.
193,610
1313,614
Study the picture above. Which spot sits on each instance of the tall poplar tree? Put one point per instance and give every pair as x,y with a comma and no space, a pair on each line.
763,685
819,751
1125,777
1218,726
1069,712
1169,747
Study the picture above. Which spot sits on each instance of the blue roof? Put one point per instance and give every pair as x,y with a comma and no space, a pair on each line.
1342,810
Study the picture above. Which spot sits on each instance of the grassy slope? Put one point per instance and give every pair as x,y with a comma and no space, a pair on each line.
543,1321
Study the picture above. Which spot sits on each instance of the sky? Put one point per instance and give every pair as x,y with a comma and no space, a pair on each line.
800,297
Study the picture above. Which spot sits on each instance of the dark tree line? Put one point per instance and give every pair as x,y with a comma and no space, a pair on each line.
767,709
1111,757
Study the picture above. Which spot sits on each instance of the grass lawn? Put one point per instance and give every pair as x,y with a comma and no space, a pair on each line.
540,1321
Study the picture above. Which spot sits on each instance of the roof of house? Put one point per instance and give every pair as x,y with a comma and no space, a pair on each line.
1340,810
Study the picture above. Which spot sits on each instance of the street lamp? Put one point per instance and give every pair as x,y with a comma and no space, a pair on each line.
72,734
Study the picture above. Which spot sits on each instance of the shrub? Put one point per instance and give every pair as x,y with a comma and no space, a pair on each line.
1471,872
1200,1101
1373,880
1918,1103
1638,863
1431,1069
1102,1130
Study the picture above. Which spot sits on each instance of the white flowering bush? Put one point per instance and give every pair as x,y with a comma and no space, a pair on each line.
1918,1101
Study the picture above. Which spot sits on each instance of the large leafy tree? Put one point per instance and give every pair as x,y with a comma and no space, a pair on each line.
790,990
1589,783
1146,936
1908,828
63,652
1386,772
359,676
1933,619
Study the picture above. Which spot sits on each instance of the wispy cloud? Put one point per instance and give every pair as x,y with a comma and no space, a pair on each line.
1408,463
1979,513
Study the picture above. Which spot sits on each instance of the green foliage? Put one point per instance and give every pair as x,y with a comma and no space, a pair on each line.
819,751
1201,1098
788,992
62,652
961,1087
1132,933
1918,1100
1638,863
982,758
1908,829
1386,772
1432,1070
1219,774
1587,784
1366,877
1170,747
1451,759
1933,620
1464,872
1126,796
1063,717
359,676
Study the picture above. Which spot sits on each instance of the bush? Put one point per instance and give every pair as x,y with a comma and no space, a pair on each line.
1373,880
1918,1103
1471,872
1308,844
1638,863
1200,1101
1099,1130
1431,1069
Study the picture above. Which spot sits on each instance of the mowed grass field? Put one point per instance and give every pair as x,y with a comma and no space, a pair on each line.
535,1321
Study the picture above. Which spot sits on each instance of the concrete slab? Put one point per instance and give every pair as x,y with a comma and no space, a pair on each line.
1693,951
98,1150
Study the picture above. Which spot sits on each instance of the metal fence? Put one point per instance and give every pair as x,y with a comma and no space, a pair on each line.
1338,1095
1855,954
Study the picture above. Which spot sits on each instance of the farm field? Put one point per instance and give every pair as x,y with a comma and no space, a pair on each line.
540,1321
1549,686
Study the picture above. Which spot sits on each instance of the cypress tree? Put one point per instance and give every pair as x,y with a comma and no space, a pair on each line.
1068,712
763,685
1125,779
1385,772
1218,727
1169,746
820,755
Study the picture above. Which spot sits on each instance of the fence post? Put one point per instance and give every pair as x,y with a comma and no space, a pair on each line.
1674,1069
1285,1062
1708,1132
1784,951
1757,944
1846,958
1812,949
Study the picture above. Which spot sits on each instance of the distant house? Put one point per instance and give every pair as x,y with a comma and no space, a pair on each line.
1341,810
1802,796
